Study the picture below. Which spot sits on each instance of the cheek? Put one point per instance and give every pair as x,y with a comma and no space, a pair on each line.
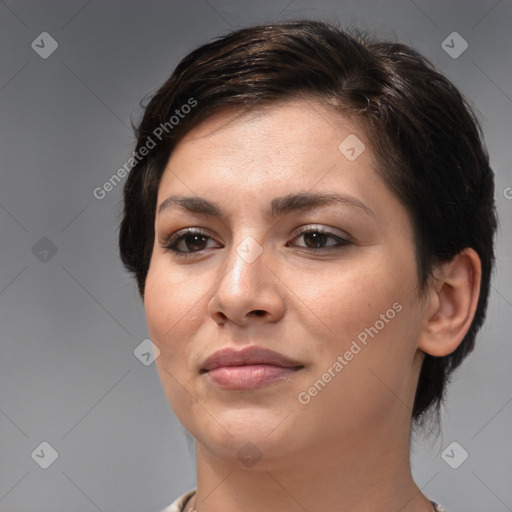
346,300
171,299
379,322
170,316
176,304
159,304
371,304
166,303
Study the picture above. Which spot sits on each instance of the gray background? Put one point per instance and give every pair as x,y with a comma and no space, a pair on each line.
70,321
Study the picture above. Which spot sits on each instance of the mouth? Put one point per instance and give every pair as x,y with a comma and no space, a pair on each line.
250,368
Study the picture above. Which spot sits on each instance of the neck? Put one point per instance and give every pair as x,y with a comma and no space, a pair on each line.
367,472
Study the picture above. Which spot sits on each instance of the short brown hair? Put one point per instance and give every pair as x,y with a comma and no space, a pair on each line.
425,136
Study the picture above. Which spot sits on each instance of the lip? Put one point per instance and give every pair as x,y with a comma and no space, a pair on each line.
249,368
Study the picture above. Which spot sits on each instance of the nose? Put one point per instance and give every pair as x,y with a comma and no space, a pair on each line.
248,290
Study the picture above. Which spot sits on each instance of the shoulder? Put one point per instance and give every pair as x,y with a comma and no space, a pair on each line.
178,504
438,508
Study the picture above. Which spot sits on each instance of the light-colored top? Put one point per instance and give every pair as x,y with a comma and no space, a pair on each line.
180,504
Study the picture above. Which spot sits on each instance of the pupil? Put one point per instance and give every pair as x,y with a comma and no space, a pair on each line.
317,239
195,242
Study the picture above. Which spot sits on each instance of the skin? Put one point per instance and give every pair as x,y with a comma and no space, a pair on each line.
348,447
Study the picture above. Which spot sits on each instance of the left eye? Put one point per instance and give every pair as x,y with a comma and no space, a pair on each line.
317,239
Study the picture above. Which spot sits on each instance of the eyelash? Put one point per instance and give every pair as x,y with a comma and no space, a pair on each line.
174,239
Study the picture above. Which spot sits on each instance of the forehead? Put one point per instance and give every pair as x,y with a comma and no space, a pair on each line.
290,119
288,141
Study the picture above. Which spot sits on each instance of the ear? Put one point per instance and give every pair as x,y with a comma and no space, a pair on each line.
451,304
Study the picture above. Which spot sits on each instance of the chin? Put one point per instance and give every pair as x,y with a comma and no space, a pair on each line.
241,451
242,437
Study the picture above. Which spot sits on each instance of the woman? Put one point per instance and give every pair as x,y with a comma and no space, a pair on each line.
310,222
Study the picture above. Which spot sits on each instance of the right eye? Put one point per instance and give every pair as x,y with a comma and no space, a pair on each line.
187,242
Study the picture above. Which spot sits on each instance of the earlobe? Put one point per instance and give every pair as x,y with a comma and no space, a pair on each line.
452,304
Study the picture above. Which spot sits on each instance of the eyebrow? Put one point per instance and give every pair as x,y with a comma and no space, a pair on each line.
278,207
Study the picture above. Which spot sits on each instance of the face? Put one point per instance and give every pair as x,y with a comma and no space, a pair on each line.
282,286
